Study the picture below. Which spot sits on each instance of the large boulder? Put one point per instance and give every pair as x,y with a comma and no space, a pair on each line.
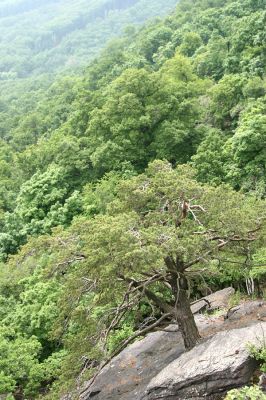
127,375
210,369
246,310
214,301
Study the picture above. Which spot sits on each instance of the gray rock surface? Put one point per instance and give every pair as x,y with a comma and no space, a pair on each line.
216,365
214,301
127,375
246,309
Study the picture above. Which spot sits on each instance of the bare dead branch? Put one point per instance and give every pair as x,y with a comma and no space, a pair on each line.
197,207
195,217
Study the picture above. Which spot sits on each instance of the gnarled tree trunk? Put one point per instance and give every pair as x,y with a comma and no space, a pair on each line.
182,310
186,321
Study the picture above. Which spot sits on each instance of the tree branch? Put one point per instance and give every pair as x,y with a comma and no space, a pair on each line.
124,344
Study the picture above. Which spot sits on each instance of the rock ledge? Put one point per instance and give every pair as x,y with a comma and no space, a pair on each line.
215,366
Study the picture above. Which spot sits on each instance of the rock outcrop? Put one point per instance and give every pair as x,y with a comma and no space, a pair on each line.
206,372
214,301
127,375
246,309
159,361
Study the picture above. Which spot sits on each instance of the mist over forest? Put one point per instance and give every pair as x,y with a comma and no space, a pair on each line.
47,36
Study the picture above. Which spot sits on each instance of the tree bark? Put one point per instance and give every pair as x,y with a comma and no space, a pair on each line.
183,313
186,321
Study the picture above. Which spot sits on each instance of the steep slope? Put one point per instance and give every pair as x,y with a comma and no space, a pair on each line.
56,34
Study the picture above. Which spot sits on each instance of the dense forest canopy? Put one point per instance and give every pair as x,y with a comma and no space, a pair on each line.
84,200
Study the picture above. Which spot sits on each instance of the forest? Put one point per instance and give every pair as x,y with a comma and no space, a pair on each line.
56,35
127,185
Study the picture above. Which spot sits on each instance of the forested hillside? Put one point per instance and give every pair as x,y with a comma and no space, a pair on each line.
40,39
56,34
127,185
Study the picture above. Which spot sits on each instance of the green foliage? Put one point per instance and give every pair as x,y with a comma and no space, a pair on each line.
259,353
259,269
31,357
117,338
18,359
246,393
96,197
247,147
235,299
210,158
43,202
